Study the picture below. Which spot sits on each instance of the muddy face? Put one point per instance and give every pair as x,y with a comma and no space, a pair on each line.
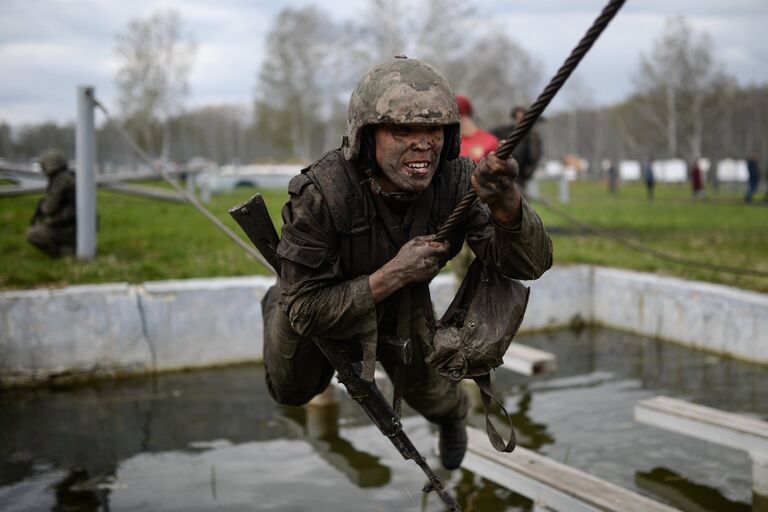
408,155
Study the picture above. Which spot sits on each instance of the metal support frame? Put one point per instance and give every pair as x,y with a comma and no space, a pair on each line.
85,176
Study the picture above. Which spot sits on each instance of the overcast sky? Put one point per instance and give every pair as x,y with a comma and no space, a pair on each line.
49,47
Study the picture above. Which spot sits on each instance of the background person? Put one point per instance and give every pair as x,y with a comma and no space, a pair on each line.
649,179
611,176
53,224
475,142
753,177
697,181
528,151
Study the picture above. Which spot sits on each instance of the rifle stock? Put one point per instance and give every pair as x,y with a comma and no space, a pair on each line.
253,218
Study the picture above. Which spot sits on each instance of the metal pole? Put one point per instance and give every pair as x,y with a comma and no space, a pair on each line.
85,179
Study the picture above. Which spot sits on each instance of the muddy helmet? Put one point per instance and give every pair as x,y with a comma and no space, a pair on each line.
402,91
51,160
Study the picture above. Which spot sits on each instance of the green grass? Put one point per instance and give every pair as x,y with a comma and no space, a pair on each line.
138,240
720,230
143,239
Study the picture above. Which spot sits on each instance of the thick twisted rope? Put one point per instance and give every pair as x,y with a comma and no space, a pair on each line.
534,112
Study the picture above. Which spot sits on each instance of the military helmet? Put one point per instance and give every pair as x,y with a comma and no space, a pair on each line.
51,160
402,91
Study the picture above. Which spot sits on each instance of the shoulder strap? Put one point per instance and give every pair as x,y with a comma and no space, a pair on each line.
486,394
341,185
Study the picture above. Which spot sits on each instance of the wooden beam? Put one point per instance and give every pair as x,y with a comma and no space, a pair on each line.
723,428
551,483
528,360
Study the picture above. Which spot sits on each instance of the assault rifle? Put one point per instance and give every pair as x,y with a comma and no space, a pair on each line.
253,218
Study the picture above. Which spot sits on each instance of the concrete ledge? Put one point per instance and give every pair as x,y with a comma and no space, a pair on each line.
205,322
702,315
70,329
561,297
121,328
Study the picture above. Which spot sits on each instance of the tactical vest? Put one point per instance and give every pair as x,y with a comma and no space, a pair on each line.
471,338
347,192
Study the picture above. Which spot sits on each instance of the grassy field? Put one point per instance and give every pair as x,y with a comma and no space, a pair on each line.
720,230
138,240
142,239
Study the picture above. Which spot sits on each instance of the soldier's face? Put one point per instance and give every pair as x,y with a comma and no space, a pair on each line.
408,155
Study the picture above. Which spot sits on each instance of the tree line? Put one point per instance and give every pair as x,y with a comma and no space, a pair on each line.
684,104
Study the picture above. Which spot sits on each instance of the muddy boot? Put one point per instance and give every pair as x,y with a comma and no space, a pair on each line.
453,443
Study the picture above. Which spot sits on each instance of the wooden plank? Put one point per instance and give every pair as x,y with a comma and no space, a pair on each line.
549,482
718,427
528,360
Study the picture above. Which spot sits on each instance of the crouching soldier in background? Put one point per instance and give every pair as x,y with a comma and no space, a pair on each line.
53,225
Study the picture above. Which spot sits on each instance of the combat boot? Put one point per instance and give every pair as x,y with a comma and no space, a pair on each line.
453,443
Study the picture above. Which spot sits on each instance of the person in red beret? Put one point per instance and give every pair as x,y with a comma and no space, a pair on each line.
475,142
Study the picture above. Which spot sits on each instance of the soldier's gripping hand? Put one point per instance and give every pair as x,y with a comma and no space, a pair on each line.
494,182
418,260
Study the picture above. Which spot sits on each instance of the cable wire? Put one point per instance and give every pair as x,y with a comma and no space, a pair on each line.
183,193
644,249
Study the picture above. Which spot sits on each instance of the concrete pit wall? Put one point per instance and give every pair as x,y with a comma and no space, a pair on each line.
120,328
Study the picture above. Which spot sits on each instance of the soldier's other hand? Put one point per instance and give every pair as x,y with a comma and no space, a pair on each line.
494,179
420,258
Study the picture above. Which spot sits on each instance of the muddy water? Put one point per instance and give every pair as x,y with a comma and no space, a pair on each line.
213,440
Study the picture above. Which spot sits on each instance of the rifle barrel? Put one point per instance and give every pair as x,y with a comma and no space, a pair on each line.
370,399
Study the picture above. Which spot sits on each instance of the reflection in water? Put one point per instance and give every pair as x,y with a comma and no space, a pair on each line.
214,440
319,427
475,494
76,491
530,434
685,494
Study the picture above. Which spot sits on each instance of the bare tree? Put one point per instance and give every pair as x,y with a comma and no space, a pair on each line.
672,84
306,65
496,73
156,59
487,65
387,27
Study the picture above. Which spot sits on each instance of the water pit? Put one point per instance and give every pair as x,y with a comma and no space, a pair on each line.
213,440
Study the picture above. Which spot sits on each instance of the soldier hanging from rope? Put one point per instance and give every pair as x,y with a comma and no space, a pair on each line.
358,245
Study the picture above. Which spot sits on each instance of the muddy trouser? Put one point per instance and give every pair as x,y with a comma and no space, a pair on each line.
296,370
55,240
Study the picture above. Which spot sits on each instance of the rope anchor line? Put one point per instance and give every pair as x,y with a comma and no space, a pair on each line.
180,190
546,204
504,151
630,244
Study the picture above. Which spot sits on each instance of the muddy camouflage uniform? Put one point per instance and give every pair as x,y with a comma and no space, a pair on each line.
337,232
53,224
